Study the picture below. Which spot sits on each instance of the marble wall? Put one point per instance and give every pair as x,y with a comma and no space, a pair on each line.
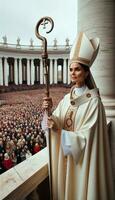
97,19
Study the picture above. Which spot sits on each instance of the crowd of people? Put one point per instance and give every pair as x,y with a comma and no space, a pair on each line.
21,134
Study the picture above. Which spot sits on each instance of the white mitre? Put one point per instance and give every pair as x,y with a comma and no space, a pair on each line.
84,50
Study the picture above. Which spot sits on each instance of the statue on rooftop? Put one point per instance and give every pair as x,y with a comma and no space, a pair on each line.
31,42
4,39
55,43
67,43
18,41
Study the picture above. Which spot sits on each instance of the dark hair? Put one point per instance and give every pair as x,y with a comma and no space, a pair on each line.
85,67
88,79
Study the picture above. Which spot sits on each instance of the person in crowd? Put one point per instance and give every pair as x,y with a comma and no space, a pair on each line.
18,152
1,146
28,154
14,158
7,162
1,163
36,148
23,155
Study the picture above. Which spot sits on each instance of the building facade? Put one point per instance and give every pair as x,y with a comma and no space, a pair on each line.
23,65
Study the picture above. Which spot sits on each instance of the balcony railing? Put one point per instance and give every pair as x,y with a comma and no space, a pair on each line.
18,182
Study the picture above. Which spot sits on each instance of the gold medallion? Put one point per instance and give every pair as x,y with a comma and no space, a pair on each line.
69,122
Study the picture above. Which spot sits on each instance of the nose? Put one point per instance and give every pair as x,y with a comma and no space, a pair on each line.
72,72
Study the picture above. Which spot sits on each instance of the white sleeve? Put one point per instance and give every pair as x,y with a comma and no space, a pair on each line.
72,144
65,142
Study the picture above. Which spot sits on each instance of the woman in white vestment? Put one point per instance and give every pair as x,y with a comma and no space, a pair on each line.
80,152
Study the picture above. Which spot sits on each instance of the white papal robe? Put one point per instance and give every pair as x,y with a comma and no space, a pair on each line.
80,153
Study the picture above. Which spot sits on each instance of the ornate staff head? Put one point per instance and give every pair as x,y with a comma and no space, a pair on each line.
44,21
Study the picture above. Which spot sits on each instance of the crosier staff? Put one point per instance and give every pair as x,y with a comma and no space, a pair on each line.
43,21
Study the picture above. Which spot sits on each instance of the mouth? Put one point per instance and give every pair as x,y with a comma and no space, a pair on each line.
73,77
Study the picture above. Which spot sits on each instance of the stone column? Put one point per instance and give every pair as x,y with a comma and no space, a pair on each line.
32,72
6,71
44,71
68,73
64,72
1,72
28,72
41,72
20,71
16,71
101,24
38,73
55,71
51,71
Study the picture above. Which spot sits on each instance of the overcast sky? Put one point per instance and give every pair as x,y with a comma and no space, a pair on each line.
18,18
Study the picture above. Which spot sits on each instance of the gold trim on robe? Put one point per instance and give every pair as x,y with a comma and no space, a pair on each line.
90,178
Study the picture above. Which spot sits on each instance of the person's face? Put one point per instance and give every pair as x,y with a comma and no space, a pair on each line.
78,74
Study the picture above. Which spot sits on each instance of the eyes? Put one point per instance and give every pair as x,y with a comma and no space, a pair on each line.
74,69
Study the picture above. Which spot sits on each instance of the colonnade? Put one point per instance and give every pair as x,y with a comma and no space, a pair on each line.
30,71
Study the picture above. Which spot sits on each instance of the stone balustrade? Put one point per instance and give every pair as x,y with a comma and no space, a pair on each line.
18,182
